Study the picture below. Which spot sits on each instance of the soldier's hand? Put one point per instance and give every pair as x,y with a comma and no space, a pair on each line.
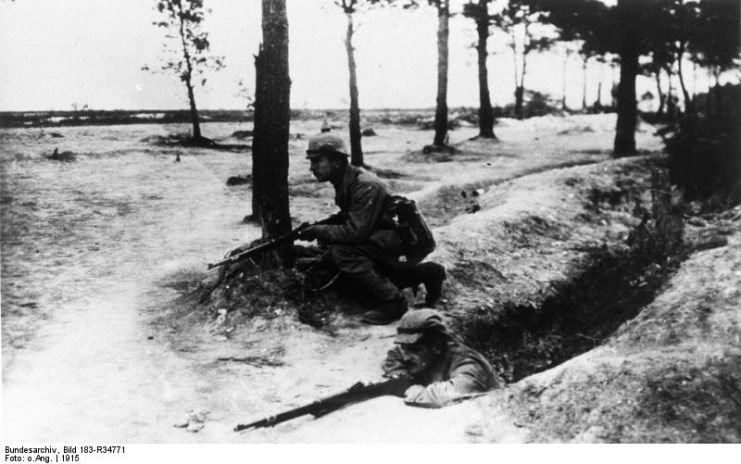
411,393
308,234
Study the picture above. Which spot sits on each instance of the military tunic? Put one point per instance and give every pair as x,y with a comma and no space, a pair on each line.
363,200
460,372
363,234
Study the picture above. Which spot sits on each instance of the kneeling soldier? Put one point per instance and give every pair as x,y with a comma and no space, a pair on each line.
362,238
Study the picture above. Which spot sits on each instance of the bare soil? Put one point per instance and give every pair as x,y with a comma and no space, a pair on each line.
104,257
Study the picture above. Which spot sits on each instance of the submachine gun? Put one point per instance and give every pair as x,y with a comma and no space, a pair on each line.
395,386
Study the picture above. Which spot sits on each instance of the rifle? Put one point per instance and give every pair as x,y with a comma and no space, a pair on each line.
270,244
273,242
395,386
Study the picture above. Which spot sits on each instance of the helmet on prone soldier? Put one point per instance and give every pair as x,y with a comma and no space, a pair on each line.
417,324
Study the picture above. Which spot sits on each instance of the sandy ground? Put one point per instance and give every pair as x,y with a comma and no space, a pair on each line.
83,244
670,375
89,246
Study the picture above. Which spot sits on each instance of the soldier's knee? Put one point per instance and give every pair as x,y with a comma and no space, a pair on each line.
342,253
349,259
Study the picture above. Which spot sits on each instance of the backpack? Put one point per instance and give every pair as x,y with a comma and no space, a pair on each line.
416,237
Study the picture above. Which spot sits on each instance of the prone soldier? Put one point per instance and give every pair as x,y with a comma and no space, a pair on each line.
442,370
428,368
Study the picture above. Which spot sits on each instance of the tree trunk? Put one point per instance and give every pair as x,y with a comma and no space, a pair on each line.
601,86
486,114
441,109
627,109
584,84
525,51
565,75
356,148
662,97
520,87
519,97
258,115
671,104
688,106
718,91
708,97
188,79
195,120
613,87
272,119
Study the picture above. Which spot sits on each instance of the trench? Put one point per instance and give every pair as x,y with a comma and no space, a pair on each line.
452,200
609,287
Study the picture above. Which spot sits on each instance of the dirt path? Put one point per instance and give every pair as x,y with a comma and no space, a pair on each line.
124,217
94,370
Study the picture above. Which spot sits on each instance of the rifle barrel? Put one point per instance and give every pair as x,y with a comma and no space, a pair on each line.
356,393
270,421
271,243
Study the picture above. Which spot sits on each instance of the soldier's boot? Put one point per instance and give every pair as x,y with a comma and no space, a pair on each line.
429,274
386,312
392,304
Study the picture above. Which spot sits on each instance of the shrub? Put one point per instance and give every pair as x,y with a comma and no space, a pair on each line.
705,161
536,104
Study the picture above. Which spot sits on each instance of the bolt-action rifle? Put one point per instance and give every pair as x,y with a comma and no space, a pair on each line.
236,256
395,386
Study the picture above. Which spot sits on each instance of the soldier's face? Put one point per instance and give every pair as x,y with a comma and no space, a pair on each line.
417,357
322,167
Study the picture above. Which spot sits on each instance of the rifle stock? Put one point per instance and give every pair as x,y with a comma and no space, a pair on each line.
395,386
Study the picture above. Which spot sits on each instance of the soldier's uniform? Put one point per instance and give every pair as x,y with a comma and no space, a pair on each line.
455,373
363,240
363,233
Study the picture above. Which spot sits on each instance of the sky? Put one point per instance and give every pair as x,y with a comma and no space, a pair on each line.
55,54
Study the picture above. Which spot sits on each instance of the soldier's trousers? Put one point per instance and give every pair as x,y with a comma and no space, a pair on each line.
361,263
